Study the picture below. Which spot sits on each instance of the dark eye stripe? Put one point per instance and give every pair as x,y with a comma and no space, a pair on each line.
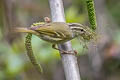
78,29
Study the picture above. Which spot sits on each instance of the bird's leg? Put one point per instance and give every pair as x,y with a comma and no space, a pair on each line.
54,46
64,52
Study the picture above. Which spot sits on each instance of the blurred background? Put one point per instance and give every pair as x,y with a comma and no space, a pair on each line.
14,63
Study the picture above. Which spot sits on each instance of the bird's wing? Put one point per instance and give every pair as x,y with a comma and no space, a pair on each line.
49,31
46,30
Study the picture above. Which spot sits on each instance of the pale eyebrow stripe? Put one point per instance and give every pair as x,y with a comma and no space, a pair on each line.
77,28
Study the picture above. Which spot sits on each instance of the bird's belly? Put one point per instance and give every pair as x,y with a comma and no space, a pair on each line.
54,40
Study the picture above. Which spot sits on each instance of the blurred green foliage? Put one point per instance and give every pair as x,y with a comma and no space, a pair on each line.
114,9
72,15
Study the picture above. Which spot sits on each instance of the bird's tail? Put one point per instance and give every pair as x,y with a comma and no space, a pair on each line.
24,30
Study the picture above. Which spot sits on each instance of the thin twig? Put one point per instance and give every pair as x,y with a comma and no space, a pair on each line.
69,61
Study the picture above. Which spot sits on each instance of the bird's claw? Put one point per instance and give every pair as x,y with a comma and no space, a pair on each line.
69,52
65,52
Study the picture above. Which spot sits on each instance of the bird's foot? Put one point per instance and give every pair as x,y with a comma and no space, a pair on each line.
63,51
73,52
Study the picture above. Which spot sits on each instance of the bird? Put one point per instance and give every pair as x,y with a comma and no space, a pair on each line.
59,32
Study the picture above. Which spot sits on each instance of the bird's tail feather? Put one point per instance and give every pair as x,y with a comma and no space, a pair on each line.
24,30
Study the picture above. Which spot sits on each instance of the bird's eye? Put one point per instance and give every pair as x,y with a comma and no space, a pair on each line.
81,30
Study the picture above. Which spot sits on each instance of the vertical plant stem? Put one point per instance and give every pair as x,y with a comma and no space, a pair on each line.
69,61
91,14
31,54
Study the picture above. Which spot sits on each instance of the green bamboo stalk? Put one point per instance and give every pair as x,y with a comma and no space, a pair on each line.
91,14
31,54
